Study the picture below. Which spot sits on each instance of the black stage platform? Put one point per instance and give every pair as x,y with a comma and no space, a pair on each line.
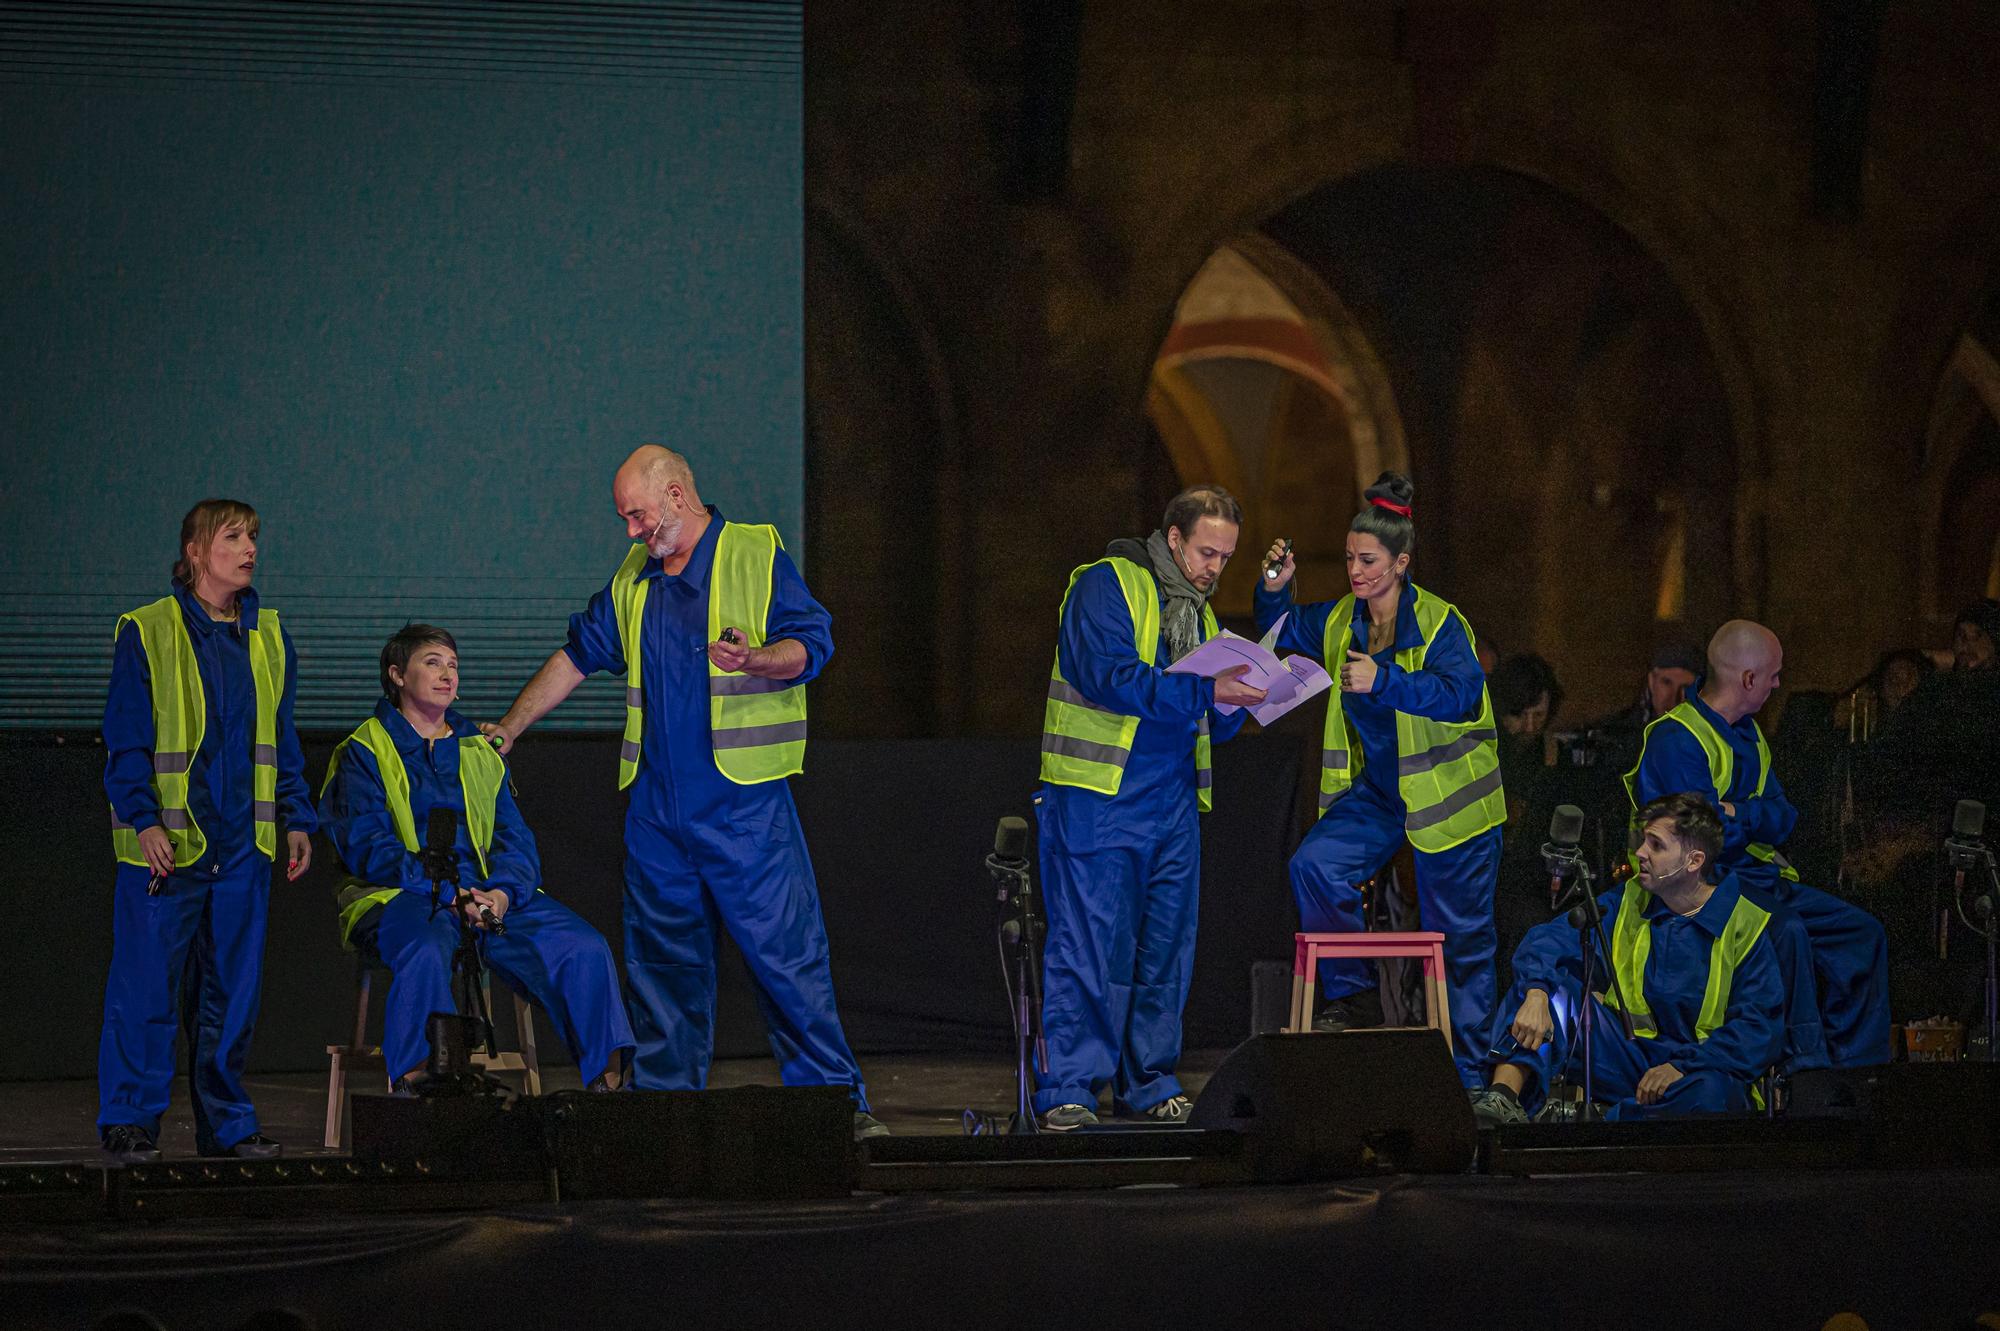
1741,1223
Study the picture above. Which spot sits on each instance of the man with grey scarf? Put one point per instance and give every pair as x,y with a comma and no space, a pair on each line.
1125,767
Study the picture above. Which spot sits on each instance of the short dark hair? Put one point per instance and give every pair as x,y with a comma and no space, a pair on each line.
1697,825
1396,532
1197,502
1519,680
399,649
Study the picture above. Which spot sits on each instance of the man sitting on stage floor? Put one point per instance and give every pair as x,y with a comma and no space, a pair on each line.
1698,974
414,755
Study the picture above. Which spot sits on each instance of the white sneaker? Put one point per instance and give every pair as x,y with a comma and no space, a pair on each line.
1173,1109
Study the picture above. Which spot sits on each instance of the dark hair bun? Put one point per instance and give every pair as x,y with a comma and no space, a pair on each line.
1392,486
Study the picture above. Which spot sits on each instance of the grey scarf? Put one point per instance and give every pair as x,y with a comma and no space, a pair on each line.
1181,618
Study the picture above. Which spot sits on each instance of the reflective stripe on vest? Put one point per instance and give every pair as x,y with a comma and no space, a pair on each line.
1086,745
1632,944
481,772
757,727
1447,772
180,719
1721,773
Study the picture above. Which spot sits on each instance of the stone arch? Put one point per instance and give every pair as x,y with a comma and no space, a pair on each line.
1266,384
885,485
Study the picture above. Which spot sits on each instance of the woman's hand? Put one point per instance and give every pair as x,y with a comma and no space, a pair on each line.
1357,675
494,900
300,847
158,849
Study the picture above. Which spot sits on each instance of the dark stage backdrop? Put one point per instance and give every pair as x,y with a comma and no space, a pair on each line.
898,830
411,281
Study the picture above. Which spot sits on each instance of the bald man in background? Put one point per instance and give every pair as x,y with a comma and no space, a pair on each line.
1710,744
716,636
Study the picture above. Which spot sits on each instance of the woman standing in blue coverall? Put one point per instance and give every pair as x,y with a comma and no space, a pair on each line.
201,763
1412,714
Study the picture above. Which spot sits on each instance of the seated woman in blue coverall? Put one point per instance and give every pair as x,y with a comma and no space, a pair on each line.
1697,973
417,754
1412,715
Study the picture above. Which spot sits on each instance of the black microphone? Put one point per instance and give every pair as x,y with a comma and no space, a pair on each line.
441,845
1559,853
1964,846
441,859
1010,841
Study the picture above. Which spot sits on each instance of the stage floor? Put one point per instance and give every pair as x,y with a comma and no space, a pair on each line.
911,1094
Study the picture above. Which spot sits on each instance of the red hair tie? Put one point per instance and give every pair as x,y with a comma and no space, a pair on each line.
1402,510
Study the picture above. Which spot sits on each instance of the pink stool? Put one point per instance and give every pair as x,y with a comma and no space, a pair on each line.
1311,949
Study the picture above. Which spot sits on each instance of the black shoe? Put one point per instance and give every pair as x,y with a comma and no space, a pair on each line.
1352,1013
130,1145
254,1147
866,1125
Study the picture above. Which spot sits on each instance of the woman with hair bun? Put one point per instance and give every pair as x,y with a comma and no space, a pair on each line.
1410,752
202,765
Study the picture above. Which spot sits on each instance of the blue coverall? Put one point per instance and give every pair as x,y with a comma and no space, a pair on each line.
1360,831
1850,950
546,951
192,954
1121,874
1716,1072
702,851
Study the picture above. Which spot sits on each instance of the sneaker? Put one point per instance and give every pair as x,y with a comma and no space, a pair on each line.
1352,1013
254,1147
866,1125
129,1144
1566,1110
1496,1109
1068,1118
1173,1109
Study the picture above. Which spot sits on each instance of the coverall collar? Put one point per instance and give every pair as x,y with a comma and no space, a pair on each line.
1408,635
1713,917
405,736
197,618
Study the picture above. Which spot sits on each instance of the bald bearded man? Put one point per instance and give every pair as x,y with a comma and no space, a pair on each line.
716,636
1710,744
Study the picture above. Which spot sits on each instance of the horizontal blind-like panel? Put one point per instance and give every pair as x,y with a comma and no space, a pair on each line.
314,41
55,651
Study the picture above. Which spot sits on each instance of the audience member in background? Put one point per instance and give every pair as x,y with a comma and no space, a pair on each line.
1865,709
1526,698
1489,656
1942,745
1698,977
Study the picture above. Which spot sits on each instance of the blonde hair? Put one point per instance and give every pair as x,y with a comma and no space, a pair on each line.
201,524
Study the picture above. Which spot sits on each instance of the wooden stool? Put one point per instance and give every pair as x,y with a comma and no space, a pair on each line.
1311,949
358,1055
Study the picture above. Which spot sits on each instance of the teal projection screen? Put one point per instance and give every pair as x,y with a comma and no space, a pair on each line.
411,279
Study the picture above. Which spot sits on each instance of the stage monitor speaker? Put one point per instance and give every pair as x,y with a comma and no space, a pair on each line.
1338,1106
747,1142
1916,1113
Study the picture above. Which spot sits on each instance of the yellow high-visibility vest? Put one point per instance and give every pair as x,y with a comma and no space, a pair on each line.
180,717
757,727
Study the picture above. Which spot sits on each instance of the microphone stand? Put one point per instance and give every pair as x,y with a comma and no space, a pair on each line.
1588,921
1021,942
1971,854
468,965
